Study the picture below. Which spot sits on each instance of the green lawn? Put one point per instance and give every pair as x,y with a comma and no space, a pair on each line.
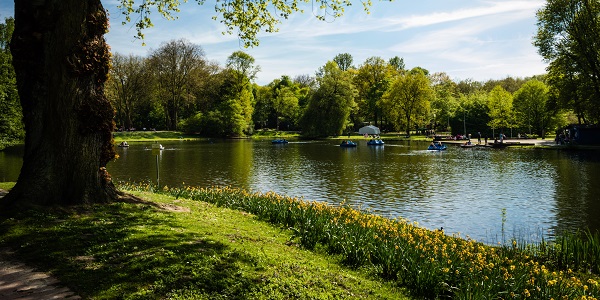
139,136
179,249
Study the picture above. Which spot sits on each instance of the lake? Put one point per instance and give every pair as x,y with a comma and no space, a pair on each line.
490,195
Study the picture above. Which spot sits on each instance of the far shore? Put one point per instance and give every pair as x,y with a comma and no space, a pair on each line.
145,136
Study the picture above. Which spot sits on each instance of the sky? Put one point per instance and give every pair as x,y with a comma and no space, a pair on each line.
466,39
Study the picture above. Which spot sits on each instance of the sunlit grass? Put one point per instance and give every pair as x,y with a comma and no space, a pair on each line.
140,251
271,133
178,249
138,136
7,185
429,263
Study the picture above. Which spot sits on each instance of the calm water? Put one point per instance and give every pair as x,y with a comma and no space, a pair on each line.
466,191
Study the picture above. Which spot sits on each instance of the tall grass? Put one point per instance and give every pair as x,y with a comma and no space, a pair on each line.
578,251
430,263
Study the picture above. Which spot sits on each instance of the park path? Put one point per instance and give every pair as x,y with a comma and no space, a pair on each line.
19,281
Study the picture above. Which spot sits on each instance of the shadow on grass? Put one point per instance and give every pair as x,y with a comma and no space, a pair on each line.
126,250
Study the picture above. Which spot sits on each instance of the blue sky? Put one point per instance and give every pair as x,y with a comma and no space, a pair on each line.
467,39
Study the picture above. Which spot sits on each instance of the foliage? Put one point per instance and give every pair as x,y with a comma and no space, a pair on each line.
407,99
329,107
344,61
243,69
128,88
397,63
192,124
444,101
11,124
176,66
249,17
500,109
429,263
530,104
233,114
372,80
568,37
285,105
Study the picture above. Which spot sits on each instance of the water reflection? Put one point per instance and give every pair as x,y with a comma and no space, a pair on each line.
474,192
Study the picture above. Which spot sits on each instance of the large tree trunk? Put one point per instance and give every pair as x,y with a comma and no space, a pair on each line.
61,61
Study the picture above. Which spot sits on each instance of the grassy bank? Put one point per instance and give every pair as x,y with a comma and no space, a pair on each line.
179,249
429,263
142,136
191,244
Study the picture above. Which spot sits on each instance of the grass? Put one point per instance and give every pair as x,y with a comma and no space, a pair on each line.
429,263
142,136
311,250
271,133
179,249
6,185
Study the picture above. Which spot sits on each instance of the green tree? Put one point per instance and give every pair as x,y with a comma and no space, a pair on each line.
241,72
174,65
397,63
128,86
263,106
285,101
285,105
407,99
510,84
61,62
11,125
244,70
344,61
568,37
443,102
530,105
371,80
500,105
329,108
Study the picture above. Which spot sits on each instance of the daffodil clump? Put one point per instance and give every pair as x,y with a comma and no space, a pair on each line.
429,263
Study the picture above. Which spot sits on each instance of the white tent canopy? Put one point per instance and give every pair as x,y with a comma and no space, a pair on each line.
370,129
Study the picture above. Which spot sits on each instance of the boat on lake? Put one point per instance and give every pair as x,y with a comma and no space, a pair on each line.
348,144
375,142
467,145
437,146
279,141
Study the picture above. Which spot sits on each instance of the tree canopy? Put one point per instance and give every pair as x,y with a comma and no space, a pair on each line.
245,18
568,37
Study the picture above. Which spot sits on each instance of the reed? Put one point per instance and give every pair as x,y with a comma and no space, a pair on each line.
429,263
578,251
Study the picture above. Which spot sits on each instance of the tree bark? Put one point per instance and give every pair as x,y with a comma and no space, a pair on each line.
61,61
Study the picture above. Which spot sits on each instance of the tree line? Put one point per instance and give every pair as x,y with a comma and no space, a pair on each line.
176,87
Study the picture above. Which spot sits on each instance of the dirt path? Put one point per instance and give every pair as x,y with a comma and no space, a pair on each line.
19,281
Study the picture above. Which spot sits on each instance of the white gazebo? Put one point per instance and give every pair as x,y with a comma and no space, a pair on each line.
370,129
